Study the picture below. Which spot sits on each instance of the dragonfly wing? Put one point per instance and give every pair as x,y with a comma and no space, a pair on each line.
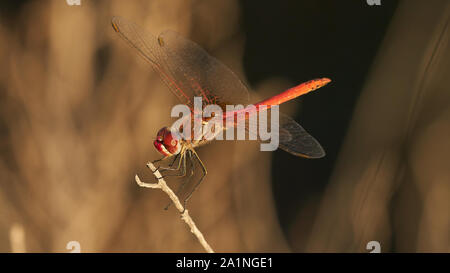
295,140
205,75
149,48
185,67
291,135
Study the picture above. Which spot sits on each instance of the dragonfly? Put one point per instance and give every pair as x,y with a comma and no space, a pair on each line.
189,72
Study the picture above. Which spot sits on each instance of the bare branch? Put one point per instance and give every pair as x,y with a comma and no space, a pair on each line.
184,212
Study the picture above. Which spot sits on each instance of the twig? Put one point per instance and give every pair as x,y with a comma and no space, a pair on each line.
184,212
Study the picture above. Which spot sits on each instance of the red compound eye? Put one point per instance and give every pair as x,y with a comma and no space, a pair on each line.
166,142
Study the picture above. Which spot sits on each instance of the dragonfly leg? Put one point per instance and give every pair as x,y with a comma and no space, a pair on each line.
186,180
169,168
158,160
199,181
181,167
173,162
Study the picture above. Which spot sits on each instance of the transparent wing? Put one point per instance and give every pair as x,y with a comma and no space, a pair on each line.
292,137
207,76
295,140
185,67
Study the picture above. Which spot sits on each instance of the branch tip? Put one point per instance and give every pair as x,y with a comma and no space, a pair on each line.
184,212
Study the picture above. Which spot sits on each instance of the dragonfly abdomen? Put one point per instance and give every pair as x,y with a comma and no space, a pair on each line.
294,92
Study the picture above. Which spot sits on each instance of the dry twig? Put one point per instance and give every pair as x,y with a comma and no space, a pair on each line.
184,212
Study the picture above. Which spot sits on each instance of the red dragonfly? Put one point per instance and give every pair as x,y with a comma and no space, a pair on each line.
189,71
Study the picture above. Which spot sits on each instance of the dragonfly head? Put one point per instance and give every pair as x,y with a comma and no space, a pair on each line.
167,142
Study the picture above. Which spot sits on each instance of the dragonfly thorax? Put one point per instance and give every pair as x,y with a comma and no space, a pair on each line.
167,142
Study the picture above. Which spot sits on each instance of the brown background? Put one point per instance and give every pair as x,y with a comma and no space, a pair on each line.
79,110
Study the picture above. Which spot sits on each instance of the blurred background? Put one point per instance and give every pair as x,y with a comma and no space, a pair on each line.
79,111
